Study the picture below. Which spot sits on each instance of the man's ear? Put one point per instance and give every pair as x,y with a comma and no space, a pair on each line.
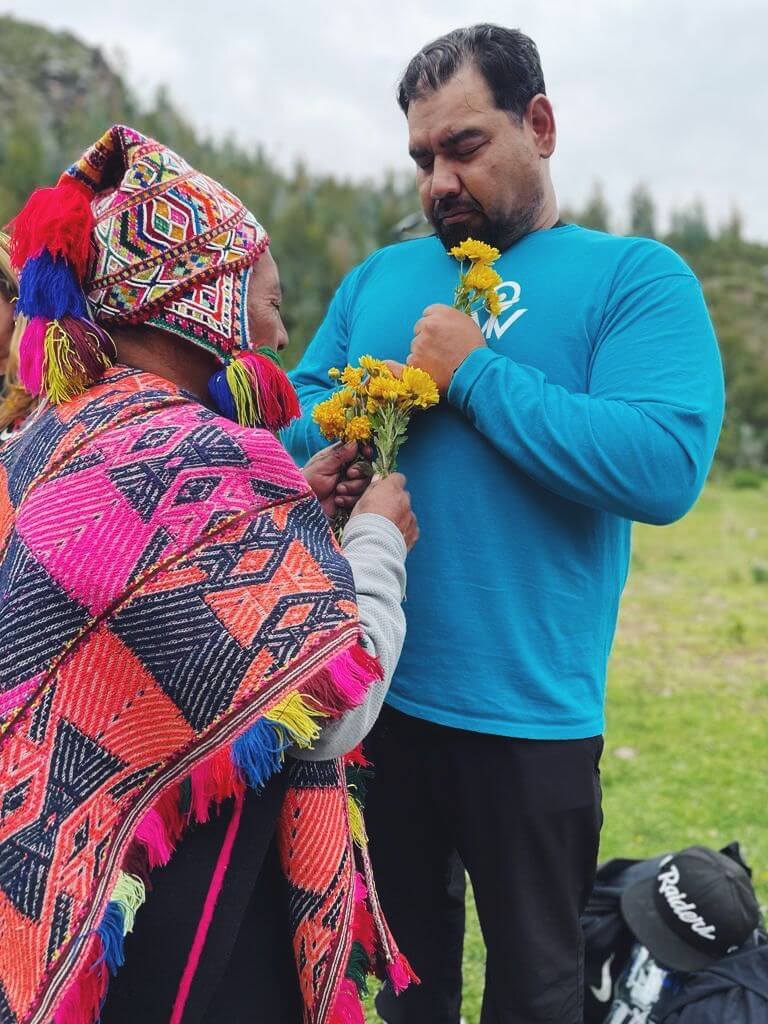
541,118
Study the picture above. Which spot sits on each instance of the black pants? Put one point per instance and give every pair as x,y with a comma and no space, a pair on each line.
247,973
523,817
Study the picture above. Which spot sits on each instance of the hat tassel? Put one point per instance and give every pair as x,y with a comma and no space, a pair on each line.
58,220
61,358
62,352
253,390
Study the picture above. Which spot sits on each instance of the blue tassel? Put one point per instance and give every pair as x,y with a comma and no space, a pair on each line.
258,753
221,396
48,288
111,932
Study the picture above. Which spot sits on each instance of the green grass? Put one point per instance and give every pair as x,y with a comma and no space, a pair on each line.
686,751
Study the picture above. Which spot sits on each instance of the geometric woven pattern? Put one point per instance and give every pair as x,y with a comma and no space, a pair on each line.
319,870
167,577
171,246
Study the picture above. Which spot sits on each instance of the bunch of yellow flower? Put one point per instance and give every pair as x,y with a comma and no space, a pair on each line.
374,405
477,285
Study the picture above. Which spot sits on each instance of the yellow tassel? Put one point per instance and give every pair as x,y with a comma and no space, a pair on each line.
356,823
241,387
295,714
64,374
130,893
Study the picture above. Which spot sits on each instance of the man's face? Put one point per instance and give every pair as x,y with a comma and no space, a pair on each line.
265,324
479,171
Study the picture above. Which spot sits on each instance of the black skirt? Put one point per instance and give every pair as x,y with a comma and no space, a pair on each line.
246,973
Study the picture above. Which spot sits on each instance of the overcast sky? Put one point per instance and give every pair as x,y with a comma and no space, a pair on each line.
673,93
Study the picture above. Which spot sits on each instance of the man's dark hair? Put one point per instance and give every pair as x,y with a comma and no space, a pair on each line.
506,58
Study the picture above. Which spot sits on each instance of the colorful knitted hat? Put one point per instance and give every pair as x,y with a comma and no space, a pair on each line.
132,234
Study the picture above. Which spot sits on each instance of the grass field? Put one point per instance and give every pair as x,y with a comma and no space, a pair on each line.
686,756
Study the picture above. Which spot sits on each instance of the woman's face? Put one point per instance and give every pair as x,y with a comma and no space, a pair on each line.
265,324
6,327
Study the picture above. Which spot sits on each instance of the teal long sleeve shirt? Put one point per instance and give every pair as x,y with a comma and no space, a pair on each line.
597,402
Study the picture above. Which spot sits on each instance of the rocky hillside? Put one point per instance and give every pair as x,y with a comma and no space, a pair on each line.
54,92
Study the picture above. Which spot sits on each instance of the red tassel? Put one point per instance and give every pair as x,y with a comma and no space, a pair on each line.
347,1008
357,757
277,401
367,662
345,681
363,927
212,783
169,809
58,219
401,974
83,999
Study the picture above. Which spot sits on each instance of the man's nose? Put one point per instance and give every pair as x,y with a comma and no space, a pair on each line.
445,181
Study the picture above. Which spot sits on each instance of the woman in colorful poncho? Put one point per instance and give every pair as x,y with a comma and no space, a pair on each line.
181,635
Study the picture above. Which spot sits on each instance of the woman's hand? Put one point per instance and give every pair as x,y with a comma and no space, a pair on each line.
388,497
336,478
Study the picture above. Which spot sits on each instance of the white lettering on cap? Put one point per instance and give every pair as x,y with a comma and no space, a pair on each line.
686,912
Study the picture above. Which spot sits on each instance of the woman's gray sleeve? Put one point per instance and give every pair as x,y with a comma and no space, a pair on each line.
376,553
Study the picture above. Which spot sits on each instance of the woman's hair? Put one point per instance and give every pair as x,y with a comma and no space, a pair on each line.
15,402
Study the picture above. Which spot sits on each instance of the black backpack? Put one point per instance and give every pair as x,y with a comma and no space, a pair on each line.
607,939
608,943
732,991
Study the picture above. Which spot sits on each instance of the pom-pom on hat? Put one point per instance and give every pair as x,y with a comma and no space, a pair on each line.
132,234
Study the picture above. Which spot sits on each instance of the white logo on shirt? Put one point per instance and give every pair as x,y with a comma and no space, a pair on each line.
498,326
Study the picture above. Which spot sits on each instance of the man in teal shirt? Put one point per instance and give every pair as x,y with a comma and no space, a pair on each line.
593,399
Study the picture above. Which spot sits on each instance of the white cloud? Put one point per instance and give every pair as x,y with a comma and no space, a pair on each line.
670,92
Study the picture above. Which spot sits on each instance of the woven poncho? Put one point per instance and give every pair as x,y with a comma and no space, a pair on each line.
175,613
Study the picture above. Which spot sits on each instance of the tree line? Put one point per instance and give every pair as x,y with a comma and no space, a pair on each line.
58,95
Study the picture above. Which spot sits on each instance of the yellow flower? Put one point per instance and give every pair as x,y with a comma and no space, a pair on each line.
471,249
334,373
481,277
493,303
352,377
330,418
358,429
375,367
422,390
384,389
346,398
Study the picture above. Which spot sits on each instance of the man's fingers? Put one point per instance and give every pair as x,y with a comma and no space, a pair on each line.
353,487
359,471
394,367
345,451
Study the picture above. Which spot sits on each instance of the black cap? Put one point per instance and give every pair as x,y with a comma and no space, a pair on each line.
700,906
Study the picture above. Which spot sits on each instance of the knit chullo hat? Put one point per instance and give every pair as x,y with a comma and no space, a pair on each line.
132,234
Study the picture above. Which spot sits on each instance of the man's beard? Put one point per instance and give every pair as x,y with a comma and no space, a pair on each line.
498,229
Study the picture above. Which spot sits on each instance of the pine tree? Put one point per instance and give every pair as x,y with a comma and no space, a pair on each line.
642,213
596,214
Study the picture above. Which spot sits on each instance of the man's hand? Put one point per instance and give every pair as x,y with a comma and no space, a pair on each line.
335,477
443,339
388,497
